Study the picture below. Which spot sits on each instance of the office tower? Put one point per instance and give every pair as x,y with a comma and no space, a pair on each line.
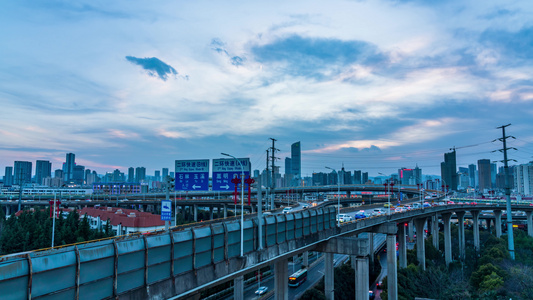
523,179
296,163
68,170
59,174
483,166
140,174
118,176
472,174
464,178
77,174
493,173
288,170
8,177
165,172
357,177
417,173
256,173
448,171
365,177
43,169
131,174
87,172
157,175
22,171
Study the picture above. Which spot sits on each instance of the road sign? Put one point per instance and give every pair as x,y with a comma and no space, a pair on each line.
225,169
166,210
192,175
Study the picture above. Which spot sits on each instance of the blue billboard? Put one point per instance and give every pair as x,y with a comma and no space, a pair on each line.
225,169
192,175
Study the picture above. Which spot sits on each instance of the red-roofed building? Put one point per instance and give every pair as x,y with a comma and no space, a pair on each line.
123,221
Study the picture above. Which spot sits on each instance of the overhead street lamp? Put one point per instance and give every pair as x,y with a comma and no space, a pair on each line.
387,191
242,201
338,196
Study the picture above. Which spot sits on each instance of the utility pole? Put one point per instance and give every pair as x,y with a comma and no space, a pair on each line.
273,158
267,182
507,190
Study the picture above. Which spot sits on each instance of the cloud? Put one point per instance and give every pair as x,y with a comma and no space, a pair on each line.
511,44
317,57
154,66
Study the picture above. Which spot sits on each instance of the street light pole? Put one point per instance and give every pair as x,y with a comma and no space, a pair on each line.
338,196
242,201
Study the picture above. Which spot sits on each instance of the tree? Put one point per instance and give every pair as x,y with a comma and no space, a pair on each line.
313,294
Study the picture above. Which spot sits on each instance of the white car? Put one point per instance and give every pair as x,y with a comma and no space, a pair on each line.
261,290
408,207
417,206
287,210
344,218
378,211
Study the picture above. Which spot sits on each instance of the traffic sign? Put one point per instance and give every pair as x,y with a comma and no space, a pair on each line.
192,175
225,169
166,210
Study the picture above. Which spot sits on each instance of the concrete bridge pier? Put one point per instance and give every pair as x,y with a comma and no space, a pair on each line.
328,276
411,231
361,278
8,210
195,209
371,246
392,271
435,230
281,273
305,259
420,243
447,238
211,212
498,223
475,216
529,223
238,288
402,246
225,207
461,223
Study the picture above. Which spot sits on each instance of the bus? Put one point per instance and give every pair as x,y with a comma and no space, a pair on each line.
298,278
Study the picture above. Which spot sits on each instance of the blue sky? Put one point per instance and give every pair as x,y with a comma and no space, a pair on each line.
371,85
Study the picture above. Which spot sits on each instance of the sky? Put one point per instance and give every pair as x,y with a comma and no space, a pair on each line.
368,85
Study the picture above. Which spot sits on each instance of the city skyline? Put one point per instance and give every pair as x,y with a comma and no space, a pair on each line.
372,85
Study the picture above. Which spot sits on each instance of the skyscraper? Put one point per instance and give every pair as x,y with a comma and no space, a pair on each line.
365,177
448,171
68,170
43,169
77,174
357,177
472,173
8,177
131,174
140,174
164,174
523,179
296,163
483,166
22,172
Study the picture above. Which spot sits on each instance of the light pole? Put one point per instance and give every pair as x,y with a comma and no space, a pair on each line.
387,191
338,196
242,201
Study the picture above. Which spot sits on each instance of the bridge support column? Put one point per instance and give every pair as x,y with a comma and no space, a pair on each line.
435,230
447,238
328,276
475,216
420,243
361,278
211,212
461,223
225,211
371,246
498,223
305,259
238,288
195,209
410,231
281,274
392,271
529,223
402,247
8,210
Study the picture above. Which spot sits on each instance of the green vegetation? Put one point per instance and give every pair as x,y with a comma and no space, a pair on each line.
33,230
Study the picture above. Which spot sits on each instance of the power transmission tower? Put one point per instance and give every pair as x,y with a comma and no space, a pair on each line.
507,189
273,159
267,181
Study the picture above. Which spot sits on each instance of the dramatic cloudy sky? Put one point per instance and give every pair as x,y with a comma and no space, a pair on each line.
373,85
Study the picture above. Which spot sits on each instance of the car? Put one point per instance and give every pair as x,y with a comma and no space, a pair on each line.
473,203
442,203
387,205
344,218
399,209
408,207
261,290
305,206
379,285
378,211
360,215
371,295
426,204
416,205
450,202
287,210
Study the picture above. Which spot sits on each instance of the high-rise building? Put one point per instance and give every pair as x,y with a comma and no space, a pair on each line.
493,173
8,177
131,174
164,174
43,169
140,174
87,172
77,175
68,170
523,179
157,175
296,162
365,177
464,178
22,172
288,169
59,174
483,166
410,176
357,177
472,174
448,171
